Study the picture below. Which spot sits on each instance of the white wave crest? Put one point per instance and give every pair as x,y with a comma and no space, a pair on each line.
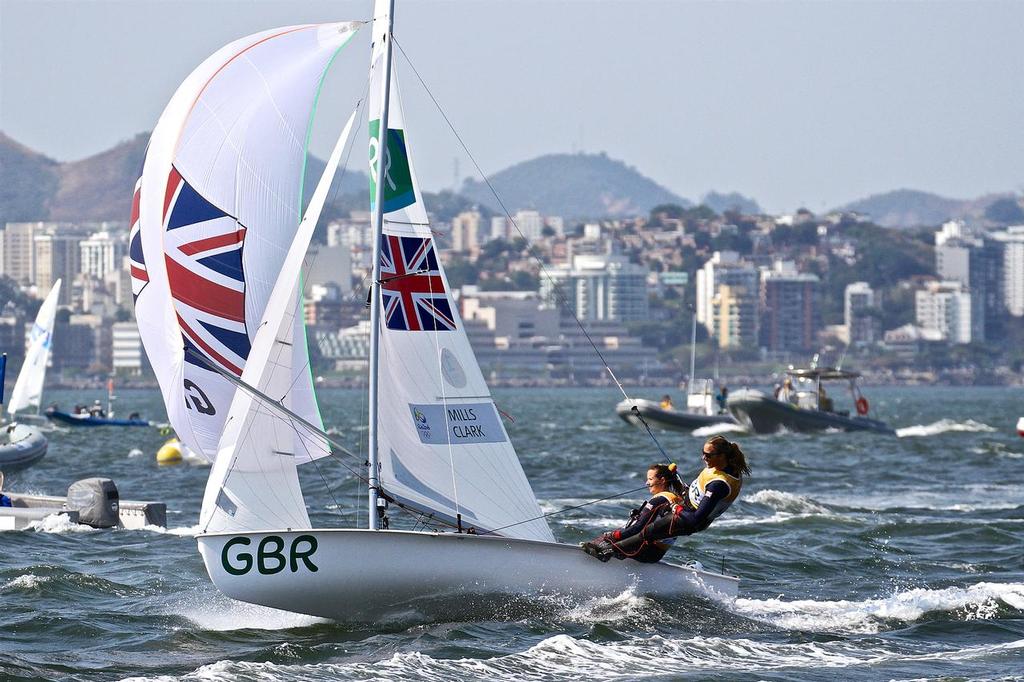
943,426
979,601
24,582
181,531
564,657
786,502
59,524
714,429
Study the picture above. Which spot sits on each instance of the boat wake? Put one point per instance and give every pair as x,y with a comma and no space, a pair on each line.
715,429
943,426
978,601
213,611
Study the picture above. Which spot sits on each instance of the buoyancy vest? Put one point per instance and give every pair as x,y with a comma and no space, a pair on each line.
700,484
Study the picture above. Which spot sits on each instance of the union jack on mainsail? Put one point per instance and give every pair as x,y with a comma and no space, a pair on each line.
203,253
412,289
136,260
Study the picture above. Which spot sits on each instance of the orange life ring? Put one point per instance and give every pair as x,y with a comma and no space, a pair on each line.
862,406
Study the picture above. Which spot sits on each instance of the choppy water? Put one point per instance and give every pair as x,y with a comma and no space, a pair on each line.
861,555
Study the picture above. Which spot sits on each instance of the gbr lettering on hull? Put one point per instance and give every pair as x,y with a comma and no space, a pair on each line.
270,556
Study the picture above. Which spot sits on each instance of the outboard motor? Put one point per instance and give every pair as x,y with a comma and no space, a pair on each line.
96,501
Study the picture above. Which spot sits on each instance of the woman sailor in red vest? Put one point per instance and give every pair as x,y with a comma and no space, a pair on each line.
671,511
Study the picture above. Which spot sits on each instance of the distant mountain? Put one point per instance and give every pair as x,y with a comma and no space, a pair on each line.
733,201
100,187
911,208
27,182
573,186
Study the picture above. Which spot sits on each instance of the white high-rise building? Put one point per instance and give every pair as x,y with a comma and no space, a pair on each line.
600,287
945,307
530,223
499,228
19,262
724,267
858,302
99,255
1012,240
126,348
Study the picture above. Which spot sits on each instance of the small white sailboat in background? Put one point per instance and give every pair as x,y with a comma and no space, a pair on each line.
1020,427
28,389
223,329
20,443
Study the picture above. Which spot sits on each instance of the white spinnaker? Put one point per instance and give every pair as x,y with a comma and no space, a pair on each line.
28,389
443,448
254,483
220,202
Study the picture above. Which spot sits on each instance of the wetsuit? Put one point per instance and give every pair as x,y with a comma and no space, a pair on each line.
639,519
708,496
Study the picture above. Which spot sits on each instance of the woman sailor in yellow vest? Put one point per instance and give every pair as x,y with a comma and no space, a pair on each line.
655,526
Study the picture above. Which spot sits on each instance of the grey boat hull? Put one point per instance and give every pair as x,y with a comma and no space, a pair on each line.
655,415
21,446
762,414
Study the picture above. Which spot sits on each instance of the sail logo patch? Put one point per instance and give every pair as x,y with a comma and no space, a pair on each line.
412,289
398,189
203,255
457,424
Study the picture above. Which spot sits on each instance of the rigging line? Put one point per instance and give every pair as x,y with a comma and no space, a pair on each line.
530,248
566,509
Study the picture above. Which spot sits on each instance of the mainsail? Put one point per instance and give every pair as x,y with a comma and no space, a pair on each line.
28,389
442,446
216,208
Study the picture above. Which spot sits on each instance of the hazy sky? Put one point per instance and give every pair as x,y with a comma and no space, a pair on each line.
793,103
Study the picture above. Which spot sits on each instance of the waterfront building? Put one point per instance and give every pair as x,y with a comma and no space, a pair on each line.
466,232
126,354
56,256
858,314
98,255
19,250
789,308
723,268
945,307
530,224
1011,241
600,288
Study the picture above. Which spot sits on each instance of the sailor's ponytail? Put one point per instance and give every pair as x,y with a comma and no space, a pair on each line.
737,461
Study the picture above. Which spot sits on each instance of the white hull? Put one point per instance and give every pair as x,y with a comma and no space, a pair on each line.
371,576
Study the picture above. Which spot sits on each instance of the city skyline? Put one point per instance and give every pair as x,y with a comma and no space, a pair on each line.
793,104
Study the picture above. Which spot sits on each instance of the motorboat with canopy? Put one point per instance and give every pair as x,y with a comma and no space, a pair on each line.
217,245
802,403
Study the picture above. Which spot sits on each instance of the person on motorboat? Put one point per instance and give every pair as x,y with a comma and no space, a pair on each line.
825,403
666,402
788,393
97,410
672,511
722,398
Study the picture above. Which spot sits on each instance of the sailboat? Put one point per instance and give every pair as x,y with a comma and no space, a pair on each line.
217,243
28,389
20,443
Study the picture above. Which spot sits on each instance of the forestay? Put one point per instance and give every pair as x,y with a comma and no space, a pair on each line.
443,448
216,208
28,389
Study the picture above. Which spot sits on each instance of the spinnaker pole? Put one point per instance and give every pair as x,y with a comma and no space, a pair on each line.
373,458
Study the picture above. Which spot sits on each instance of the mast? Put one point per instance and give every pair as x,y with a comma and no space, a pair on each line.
693,352
373,458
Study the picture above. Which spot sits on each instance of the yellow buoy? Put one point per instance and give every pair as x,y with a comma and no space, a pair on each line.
169,452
